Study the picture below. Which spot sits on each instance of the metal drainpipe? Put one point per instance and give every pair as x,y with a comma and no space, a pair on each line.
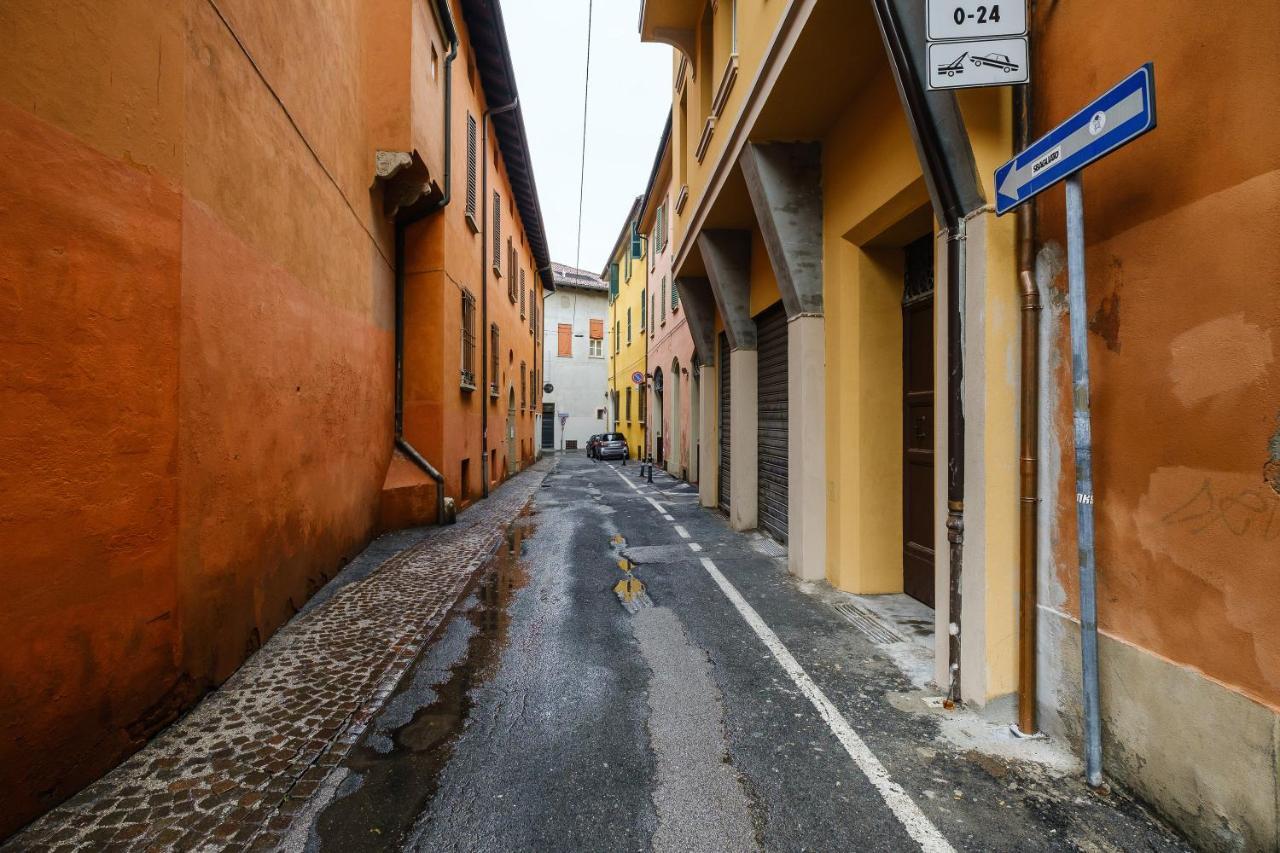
1028,461
484,283
946,158
400,225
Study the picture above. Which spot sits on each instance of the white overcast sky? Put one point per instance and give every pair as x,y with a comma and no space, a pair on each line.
628,106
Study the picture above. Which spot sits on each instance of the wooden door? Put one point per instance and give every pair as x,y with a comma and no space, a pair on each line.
917,421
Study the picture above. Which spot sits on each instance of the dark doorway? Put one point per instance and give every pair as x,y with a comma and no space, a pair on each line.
917,421
548,425
656,418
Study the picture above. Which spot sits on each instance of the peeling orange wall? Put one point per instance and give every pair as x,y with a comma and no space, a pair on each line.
443,256
1184,277
183,458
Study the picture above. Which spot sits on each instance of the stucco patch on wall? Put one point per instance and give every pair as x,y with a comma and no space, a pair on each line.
1271,470
1105,322
1221,528
1218,356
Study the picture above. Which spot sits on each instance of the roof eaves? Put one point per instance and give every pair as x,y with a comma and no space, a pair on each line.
497,76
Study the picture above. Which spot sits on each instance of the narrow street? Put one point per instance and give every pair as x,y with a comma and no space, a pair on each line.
547,716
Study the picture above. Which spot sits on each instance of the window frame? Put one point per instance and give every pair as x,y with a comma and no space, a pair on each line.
468,366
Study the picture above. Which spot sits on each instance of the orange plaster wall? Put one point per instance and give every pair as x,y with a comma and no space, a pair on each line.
89,265
195,359
1183,267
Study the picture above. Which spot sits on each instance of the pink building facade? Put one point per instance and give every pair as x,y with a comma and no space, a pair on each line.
673,395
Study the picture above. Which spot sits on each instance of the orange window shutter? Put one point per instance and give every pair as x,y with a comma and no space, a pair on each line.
565,342
597,330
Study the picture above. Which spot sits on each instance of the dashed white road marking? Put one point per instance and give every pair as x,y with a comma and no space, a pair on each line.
666,517
684,534
914,821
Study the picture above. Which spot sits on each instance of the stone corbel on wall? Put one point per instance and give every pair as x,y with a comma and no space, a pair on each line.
727,255
784,180
699,307
404,178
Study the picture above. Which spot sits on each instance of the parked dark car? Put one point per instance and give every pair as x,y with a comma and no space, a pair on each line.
613,445
593,443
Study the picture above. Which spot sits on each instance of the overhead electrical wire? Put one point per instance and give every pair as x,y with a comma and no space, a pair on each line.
582,172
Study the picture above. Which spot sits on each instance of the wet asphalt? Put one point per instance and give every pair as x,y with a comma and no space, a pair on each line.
546,716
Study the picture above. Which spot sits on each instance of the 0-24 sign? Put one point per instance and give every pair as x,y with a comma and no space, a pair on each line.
967,19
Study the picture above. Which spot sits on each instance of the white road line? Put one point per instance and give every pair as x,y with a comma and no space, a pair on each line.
904,808
666,517
657,505
695,547
684,534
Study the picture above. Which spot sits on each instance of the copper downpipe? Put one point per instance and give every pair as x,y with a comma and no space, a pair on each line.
1029,440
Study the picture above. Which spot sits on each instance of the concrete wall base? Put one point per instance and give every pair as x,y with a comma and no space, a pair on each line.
1204,756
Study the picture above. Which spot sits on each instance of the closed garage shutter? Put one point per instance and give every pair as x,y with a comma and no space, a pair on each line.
771,332
724,422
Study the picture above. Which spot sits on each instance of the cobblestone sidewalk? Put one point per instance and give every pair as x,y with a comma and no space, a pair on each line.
235,772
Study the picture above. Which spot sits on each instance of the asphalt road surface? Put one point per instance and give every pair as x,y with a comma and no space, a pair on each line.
723,708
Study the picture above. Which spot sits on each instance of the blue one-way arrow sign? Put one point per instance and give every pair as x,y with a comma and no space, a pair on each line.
1118,117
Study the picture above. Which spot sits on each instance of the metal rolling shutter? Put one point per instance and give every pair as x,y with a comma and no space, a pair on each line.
771,333
724,422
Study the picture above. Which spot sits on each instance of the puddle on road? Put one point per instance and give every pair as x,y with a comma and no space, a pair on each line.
389,790
631,591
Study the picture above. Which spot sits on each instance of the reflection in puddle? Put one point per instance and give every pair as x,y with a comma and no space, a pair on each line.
390,789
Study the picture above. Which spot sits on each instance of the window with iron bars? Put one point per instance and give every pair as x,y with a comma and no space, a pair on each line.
497,233
511,269
522,308
493,359
468,378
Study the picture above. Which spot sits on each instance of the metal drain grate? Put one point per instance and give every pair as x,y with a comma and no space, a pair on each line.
765,545
869,623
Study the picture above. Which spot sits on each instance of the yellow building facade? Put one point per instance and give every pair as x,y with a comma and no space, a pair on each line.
806,248
626,274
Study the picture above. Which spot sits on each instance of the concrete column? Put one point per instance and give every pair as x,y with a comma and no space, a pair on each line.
807,447
744,418
709,459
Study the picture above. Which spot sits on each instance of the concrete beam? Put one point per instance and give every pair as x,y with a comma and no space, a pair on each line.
784,180
699,305
727,255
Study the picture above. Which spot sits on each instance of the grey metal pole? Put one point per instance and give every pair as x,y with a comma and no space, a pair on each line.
1084,479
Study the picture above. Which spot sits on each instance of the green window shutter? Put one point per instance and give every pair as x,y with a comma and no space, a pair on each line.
613,282
675,296
643,315
637,245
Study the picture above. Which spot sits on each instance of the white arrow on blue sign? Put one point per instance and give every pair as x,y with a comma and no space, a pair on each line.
1118,117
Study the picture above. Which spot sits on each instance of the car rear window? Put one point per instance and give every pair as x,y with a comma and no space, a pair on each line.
614,436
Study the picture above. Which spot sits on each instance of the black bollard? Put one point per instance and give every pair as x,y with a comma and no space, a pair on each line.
650,469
